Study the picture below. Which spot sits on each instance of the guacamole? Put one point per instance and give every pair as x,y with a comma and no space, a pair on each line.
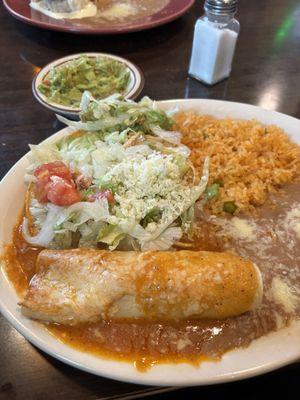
101,76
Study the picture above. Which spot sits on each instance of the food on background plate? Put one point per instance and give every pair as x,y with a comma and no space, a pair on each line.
98,284
105,12
101,76
60,9
125,180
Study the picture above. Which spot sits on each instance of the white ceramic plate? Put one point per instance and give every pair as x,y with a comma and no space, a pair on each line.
265,354
134,87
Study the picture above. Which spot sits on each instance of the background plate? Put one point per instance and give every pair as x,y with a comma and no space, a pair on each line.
265,354
21,10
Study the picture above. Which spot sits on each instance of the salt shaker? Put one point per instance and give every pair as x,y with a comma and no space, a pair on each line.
215,37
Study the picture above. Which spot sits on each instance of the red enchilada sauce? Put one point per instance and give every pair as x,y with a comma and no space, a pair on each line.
271,240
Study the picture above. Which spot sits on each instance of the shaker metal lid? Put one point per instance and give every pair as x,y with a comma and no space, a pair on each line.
221,7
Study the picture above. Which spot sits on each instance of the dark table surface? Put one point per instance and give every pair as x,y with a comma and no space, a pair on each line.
265,72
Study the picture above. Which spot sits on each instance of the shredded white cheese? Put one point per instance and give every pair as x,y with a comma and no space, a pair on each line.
148,182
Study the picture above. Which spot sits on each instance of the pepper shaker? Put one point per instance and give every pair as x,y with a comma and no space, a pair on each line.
215,37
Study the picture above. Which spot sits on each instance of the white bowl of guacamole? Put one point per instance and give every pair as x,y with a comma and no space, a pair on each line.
59,85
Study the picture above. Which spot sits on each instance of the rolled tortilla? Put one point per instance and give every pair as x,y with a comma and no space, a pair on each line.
86,285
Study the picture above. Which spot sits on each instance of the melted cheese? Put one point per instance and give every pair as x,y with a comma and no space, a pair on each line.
183,343
296,229
239,228
282,294
280,323
292,220
85,285
89,11
119,11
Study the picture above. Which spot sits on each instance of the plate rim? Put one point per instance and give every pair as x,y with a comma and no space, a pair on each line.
33,336
100,31
225,378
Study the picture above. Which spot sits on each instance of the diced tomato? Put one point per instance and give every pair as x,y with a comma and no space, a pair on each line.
40,191
103,194
55,184
56,168
62,192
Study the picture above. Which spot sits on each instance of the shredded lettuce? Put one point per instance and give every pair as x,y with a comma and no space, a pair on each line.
63,220
116,114
41,154
169,136
130,150
188,219
46,234
195,194
164,241
111,235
